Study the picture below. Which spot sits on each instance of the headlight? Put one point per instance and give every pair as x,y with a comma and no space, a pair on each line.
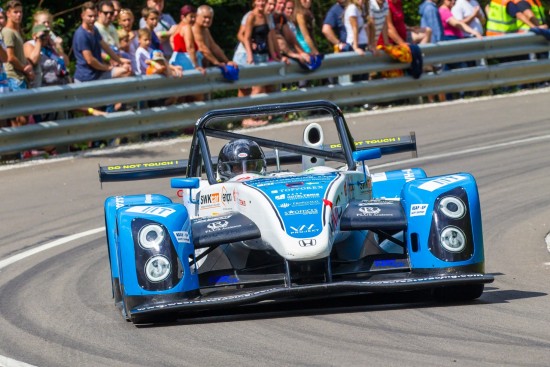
151,236
453,239
452,207
157,268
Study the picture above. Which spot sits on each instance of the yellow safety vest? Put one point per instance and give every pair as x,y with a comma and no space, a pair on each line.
538,10
499,22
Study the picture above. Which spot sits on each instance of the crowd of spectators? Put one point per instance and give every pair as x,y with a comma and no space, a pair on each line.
107,45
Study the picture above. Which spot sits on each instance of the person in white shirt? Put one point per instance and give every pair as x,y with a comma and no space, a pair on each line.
470,12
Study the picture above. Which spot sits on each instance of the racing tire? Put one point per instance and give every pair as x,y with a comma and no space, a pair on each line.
458,293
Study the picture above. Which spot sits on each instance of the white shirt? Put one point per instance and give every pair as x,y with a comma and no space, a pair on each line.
463,9
353,11
379,15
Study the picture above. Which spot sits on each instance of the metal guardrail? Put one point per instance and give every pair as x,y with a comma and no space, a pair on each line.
63,98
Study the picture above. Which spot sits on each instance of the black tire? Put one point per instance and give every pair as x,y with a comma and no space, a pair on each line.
458,293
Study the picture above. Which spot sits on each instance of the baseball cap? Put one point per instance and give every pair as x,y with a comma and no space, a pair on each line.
40,28
187,9
157,55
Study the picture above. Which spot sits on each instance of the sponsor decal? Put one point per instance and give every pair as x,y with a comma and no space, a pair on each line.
284,205
242,202
119,202
299,196
280,197
418,210
211,219
408,174
242,155
370,210
142,165
218,225
307,242
294,184
441,182
304,229
301,212
182,236
210,200
152,210
227,197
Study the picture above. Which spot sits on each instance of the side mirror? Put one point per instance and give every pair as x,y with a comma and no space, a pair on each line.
186,183
364,155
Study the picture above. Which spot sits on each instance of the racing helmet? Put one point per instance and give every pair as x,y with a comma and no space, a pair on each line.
240,156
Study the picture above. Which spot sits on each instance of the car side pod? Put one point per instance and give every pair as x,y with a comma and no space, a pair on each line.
112,204
444,223
156,251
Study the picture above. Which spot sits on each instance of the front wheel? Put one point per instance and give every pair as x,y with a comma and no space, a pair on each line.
458,293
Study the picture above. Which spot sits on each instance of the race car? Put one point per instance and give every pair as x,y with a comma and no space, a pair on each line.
279,216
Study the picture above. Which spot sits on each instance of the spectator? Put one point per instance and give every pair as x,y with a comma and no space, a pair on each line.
211,51
354,20
4,86
453,28
534,12
124,46
116,8
104,25
470,13
165,27
143,51
151,16
47,57
306,24
18,70
256,42
399,33
185,48
258,47
126,22
506,16
379,12
334,29
430,18
286,44
87,46
2,19
157,65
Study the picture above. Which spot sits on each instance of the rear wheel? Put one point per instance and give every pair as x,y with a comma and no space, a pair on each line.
458,293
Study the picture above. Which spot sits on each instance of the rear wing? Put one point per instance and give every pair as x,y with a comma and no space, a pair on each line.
178,167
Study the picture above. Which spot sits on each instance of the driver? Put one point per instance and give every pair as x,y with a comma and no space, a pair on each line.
240,156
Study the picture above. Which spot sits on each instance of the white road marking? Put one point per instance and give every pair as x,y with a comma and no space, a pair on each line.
7,362
47,246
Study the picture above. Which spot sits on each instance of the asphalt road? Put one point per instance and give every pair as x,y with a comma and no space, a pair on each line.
56,307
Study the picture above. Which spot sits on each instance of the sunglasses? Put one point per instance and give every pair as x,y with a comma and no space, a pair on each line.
108,12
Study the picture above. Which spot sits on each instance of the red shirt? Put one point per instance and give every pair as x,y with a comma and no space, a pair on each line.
398,18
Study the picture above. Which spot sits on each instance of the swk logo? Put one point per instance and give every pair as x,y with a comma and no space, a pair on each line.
308,242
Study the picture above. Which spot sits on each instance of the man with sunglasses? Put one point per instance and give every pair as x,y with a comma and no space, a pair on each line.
104,23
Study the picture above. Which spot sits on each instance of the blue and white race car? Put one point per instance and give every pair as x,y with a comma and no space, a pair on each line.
275,216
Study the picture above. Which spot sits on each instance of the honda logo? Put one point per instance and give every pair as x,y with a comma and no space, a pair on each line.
308,242
216,226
